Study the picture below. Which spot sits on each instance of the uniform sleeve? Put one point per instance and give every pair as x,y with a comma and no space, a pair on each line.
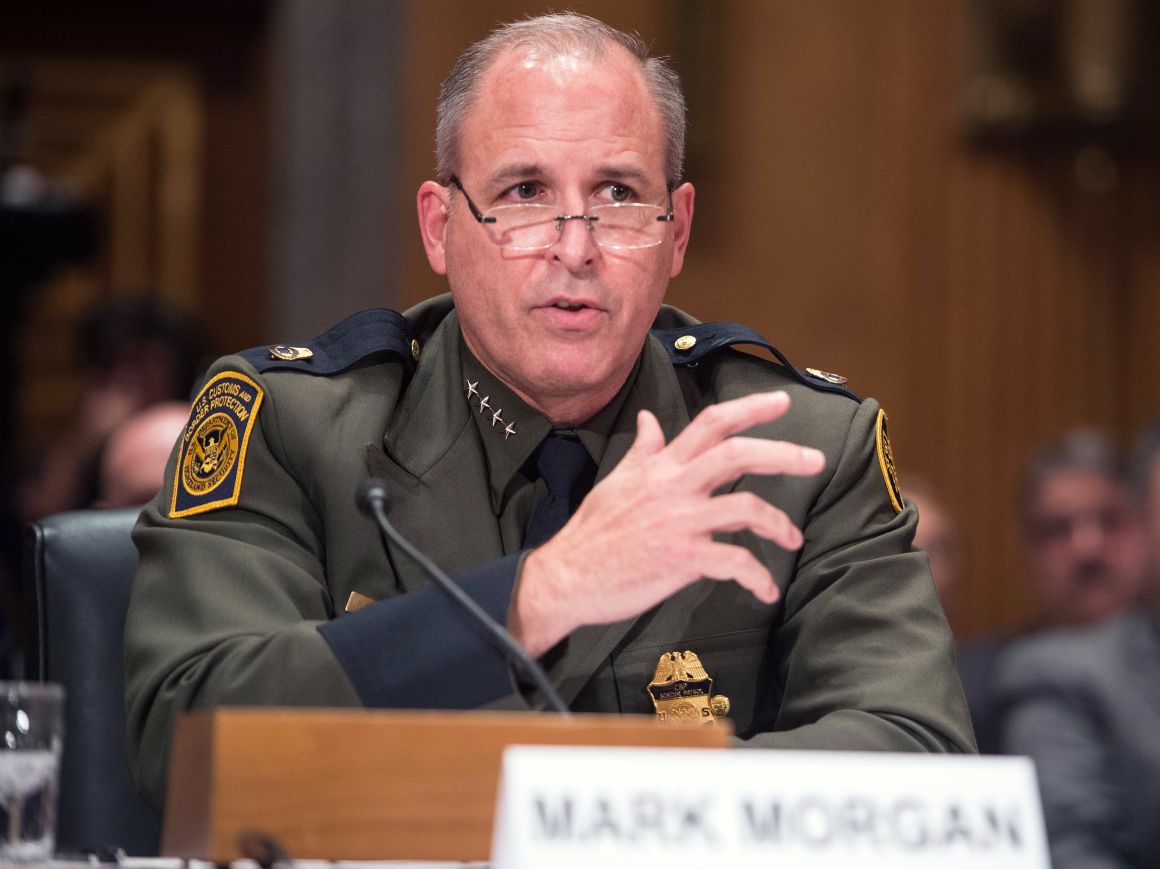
1053,715
433,660
227,606
864,653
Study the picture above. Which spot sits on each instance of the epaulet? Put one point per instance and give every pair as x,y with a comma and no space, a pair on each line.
378,331
688,345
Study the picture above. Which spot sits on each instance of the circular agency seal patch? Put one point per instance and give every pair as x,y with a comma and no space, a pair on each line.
212,452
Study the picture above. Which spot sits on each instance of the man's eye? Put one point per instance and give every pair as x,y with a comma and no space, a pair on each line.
525,190
619,193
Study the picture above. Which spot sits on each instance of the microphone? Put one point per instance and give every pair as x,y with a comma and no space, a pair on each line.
372,500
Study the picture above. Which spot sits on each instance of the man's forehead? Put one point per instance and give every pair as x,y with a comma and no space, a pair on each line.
540,95
522,74
1079,488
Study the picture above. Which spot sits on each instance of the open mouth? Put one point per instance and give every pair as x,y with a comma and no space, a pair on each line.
571,314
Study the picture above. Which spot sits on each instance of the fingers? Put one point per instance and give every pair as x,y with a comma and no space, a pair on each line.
741,511
649,438
736,456
724,561
719,421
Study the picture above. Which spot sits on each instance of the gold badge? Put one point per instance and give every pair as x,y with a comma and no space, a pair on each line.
886,462
213,447
289,354
682,692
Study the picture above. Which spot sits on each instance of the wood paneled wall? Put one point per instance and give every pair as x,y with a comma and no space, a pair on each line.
984,297
987,300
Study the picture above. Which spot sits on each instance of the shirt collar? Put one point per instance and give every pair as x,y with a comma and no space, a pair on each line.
511,430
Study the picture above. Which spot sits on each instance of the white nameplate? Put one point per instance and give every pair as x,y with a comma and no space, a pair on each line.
625,807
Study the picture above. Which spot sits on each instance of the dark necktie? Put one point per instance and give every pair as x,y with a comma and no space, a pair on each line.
568,471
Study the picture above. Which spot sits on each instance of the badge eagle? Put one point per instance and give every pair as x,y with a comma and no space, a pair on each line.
682,692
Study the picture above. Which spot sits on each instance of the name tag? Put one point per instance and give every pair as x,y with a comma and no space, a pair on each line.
624,807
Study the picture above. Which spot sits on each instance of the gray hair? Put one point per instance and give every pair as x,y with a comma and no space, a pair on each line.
554,34
1082,449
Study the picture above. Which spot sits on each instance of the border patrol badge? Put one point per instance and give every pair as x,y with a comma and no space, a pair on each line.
682,692
213,446
886,462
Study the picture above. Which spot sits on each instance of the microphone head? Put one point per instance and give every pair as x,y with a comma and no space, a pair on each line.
371,492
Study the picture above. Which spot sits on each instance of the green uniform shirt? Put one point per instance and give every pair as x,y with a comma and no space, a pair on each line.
228,602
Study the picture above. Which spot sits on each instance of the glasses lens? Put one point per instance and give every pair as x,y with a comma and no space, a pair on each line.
523,227
628,225
624,226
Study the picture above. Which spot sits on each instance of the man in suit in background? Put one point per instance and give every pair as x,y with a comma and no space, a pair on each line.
1084,704
1085,556
604,475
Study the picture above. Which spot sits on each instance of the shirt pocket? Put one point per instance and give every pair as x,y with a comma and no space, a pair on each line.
739,663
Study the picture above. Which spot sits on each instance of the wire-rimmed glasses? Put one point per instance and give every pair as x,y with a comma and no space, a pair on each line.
531,226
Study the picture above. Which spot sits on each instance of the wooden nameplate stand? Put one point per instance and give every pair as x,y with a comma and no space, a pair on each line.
366,785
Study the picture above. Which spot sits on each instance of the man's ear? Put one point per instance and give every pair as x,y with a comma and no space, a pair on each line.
682,225
432,204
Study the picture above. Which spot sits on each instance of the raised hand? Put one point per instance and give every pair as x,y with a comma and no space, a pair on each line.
646,530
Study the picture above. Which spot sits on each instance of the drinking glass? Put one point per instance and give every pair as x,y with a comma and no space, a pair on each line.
31,729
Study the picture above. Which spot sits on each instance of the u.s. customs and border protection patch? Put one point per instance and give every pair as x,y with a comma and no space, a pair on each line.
212,457
682,692
886,462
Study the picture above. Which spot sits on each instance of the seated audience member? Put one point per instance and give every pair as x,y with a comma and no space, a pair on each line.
1146,479
132,466
1085,554
1084,704
660,502
937,535
1083,531
130,354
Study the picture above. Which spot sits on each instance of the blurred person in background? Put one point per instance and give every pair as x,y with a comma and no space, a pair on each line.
1084,703
131,355
132,466
1085,554
937,535
1083,531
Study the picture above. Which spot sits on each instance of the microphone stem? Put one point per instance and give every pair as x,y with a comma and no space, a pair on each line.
495,633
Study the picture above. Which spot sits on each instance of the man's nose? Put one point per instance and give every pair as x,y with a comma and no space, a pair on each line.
576,247
1088,536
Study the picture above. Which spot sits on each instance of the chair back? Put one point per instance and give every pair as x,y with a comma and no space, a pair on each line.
78,568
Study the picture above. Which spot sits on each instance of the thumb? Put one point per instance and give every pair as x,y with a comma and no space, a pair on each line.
649,437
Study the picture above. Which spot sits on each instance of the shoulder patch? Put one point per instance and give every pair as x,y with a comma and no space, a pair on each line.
688,345
886,462
212,458
367,333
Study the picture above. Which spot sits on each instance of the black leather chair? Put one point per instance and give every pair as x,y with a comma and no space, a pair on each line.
77,571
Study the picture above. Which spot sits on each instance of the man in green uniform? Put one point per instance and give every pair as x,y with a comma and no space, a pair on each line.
775,563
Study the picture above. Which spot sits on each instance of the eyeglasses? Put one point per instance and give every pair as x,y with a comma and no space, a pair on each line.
531,226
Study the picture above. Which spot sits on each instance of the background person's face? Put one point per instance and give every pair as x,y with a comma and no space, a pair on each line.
1087,547
571,319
